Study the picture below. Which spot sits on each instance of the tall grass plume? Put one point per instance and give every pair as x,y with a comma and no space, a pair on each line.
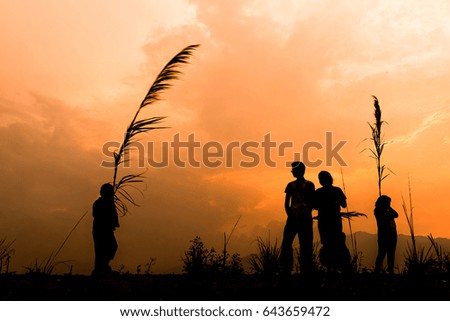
378,145
139,126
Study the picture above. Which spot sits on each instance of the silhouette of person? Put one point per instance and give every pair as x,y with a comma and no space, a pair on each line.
298,207
387,233
328,201
105,222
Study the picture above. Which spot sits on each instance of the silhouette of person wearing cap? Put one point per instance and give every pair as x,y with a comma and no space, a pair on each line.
105,222
298,207
387,233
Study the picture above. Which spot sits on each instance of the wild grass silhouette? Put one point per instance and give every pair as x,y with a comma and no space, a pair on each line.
378,144
226,240
267,259
48,264
357,256
138,126
442,257
6,253
419,261
198,260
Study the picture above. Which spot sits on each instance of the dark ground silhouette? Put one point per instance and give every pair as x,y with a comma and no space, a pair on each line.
363,286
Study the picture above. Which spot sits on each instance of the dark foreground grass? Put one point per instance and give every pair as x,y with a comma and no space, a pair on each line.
363,286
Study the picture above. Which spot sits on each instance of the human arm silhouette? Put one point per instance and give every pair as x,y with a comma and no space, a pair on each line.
390,212
287,203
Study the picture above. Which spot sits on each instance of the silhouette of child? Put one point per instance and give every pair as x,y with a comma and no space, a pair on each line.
387,233
328,200
105,222
298,207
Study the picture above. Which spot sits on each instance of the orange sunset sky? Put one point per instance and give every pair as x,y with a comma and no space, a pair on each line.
74,72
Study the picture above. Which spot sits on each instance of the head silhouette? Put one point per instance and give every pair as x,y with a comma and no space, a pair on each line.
298,169
325,178
383,201
107,191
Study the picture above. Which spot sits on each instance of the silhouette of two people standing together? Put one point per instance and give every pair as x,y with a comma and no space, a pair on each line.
105,222
301,198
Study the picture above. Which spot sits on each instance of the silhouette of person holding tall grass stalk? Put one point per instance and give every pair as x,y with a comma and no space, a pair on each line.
328,201
387,233
298,207
106,221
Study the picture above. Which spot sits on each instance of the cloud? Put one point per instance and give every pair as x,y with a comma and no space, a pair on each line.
48,176
429,122
51,179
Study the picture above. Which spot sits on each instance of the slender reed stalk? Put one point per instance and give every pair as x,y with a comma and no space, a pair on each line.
226,240
68,236
356,256
47,265
6,252
442,258
352,238
418,262
378,144
138,126
410,218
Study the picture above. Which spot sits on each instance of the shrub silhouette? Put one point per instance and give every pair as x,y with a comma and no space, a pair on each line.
267,259
199,260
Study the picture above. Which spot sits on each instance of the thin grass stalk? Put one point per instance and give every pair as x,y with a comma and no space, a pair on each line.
68,236
410,219
234,227
357,256
48,264
418,262
226,240
352,238
5,254
440,255
225,254
8,261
